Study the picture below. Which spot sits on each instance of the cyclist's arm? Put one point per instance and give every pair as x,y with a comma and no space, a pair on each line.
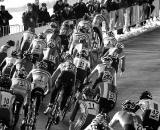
2,64
29,77
74,112
50,84
114,120
93,75
114,79
55,75
30,47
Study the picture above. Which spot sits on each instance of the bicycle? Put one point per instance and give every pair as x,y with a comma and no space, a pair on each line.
30,120
53,117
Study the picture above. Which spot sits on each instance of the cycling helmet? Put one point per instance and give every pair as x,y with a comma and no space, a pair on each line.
110,34
84,27
106,59
41,36
146,95
42,65
68,57
10,43
53,25
88,93
128,105
21,73
5,82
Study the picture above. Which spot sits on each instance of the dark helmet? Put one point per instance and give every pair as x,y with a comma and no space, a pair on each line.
5,82
53,25
42,65
106,59
21,73
145,95
88,93
128,105
11,43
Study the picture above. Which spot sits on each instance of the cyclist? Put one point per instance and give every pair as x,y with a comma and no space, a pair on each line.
7,64
127,118
41,82
52,52
4,49
88,104
109,42
22,88
83,33
36,48
63,79
65,32
82,62
7,99
150,111
26,40
104,77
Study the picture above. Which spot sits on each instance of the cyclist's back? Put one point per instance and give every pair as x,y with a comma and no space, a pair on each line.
7,99
150,111
126,117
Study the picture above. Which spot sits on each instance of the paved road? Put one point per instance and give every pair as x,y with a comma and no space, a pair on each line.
142,73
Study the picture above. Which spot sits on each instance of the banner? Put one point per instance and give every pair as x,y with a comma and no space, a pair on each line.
156,4
120,19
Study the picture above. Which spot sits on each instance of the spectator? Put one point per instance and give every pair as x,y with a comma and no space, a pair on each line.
5,16
58,7
29,17
65,3
90,6
36,7
67,13
43,16
80,9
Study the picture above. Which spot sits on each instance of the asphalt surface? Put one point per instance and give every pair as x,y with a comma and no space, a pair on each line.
142,73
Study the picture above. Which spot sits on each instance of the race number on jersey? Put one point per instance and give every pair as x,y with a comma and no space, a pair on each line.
92,107
6,99
107,77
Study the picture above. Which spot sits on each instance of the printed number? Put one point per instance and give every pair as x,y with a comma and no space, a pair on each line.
112,96
90,105
107,77
154,115
92,108
6,102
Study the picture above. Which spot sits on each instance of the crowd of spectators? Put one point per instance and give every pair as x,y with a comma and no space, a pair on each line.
5,16
38,15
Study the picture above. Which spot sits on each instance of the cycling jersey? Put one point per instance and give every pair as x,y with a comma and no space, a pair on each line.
20,86
78,38
40,78
88,110
37,46
67,66
7,100
52,50
28,36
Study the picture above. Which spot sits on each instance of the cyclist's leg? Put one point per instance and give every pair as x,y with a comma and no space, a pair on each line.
69,83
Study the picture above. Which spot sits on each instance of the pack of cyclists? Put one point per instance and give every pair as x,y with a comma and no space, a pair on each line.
68,70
